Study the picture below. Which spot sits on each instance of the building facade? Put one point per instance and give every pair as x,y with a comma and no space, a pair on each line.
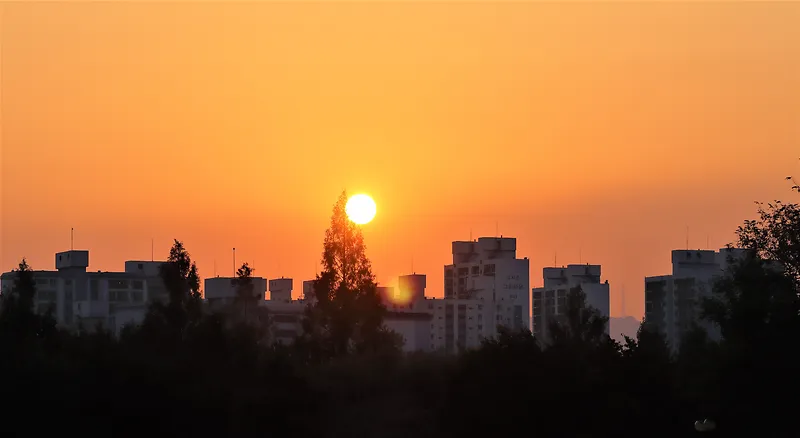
672,302
78,298
486,286
549,301
222,291
407,313
282,316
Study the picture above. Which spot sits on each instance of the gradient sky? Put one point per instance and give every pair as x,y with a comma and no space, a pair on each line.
597,132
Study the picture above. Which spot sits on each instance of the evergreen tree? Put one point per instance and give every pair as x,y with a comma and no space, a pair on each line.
184,308
18,319
346,314
246,297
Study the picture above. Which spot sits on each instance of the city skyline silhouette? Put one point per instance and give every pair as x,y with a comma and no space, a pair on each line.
574,128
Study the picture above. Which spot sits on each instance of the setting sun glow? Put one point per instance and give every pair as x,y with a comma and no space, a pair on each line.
360,209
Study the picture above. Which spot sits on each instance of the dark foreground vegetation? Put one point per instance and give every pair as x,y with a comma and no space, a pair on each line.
188,372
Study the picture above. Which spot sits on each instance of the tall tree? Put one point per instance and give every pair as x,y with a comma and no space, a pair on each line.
182,282
19,322
757,309
346,314
180,274
246,297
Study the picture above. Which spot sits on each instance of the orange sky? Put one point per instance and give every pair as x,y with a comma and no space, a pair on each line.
599,129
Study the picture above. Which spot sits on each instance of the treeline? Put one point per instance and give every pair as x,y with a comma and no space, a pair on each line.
186,371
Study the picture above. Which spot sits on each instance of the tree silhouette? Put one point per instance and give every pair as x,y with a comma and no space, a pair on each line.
775,235
245,294
185,307
18,319
755,303
345,313
579,323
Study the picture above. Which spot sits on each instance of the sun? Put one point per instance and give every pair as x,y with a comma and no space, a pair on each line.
360,209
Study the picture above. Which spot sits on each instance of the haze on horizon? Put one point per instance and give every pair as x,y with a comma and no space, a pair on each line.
597,132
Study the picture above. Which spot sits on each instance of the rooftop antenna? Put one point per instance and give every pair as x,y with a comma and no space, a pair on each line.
234,262
555,259
470,234
687,237
412,265
71,238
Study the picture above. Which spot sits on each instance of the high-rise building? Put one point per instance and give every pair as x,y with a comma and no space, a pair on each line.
672,302
549,301
486,286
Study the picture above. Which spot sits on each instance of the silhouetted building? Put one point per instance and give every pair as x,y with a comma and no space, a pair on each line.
549,301
672,302
78,298
407,313
413,326
408,296
280,289
486,286
308,289
222,291
282,314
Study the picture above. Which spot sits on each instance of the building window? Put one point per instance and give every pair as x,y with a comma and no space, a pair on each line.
488,270
117,284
